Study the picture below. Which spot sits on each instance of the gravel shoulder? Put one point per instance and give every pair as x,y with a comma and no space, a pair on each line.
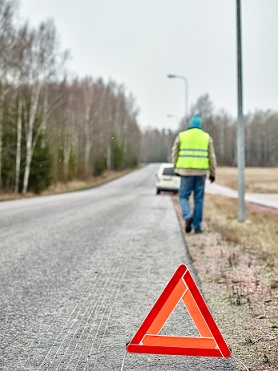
239,295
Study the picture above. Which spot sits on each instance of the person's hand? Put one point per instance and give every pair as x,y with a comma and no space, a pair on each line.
212,178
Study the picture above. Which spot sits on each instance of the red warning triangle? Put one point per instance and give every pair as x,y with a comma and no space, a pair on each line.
181,287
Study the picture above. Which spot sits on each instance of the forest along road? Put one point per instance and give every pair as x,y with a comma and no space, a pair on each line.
269,200
79,273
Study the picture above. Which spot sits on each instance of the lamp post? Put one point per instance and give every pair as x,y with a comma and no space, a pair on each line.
240,124
171,76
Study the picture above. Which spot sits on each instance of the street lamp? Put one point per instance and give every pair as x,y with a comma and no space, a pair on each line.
176,118
173,117
171,76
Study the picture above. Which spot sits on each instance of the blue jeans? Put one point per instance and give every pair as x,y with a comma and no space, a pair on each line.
195,184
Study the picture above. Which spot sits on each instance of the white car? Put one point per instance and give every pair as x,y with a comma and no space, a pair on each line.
166,179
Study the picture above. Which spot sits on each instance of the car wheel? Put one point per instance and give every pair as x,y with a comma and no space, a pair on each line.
157,191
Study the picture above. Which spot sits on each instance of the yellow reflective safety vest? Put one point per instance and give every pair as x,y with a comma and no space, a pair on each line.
194,149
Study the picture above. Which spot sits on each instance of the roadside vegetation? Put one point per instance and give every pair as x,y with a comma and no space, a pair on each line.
238,267
258,236
257,179
71,186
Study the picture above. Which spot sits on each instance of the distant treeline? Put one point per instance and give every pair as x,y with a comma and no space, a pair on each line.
261,136
57,127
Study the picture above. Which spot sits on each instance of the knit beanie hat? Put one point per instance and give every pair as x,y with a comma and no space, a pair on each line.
196,122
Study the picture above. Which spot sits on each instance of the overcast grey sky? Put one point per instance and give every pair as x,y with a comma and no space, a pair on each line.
139,42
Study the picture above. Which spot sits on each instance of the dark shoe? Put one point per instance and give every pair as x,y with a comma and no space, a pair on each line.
198,231
188,225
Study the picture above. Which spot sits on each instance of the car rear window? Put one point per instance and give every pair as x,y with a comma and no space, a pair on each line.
168,171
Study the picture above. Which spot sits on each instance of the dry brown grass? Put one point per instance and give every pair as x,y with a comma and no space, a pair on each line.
74,185
85,184
257,179
247,264
238,267
249,268
258,235
236,263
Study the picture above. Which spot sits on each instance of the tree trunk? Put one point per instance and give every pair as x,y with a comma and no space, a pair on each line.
45,114
18,145
29,136
109,156
67,151
88,144
1,134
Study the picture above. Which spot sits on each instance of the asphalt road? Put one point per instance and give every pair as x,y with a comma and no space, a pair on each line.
79,272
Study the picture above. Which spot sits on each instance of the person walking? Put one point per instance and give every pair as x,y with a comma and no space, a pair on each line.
193,157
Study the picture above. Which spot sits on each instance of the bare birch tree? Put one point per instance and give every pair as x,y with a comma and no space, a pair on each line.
42,67
7,9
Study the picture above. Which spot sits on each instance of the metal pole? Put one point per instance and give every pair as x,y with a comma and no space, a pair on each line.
240,125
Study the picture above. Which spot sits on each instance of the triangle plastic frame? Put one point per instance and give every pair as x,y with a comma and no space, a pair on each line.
181,287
